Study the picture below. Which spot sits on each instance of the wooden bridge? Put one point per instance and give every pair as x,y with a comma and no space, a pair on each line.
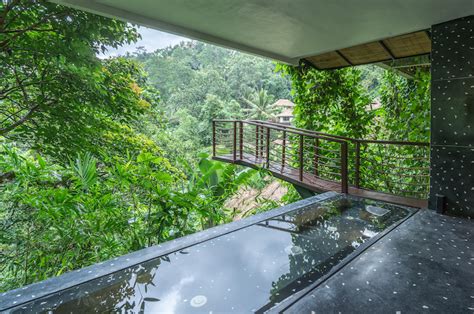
392,171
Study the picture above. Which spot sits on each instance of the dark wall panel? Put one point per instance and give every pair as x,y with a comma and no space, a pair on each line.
452,112
452,50
452,115
452,175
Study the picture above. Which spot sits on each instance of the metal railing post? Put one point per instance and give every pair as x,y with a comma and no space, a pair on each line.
344,171
357,164
213,138
256,141
283,151
241,135
301,157
261,141
316,157
268,148
234,157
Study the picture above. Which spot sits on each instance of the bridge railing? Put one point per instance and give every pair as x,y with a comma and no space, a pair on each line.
309,157
294,153
399,168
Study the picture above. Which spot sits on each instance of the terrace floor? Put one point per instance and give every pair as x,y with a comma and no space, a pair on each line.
423,265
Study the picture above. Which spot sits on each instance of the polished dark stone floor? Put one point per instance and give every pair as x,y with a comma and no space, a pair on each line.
424,265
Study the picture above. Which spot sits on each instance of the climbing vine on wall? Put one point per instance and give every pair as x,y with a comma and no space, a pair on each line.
406,104
330,101
337,102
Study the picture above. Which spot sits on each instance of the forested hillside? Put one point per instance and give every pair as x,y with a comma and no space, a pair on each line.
198,82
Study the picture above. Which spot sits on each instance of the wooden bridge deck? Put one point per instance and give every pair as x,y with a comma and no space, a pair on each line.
316,184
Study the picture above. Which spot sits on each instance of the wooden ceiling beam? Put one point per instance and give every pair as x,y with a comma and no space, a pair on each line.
387,50
344,57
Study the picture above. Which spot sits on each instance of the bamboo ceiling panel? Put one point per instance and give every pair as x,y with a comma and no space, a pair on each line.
366,53
409,44
403,46
328,60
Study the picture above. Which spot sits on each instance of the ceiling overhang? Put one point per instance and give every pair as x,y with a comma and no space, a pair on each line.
289,31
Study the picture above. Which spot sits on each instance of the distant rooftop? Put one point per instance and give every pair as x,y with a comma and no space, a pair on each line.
284,103
287,112
374,105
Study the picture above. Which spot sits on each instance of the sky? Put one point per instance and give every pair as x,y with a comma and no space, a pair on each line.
151,40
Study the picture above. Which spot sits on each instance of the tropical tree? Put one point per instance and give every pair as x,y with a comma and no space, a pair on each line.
260,105
215,182
53,82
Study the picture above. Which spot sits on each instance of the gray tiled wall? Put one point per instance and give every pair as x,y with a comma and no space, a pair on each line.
452,115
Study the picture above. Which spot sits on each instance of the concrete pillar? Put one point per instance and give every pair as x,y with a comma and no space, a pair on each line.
452,116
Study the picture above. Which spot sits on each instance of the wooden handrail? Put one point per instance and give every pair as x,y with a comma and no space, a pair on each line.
299,129
292,130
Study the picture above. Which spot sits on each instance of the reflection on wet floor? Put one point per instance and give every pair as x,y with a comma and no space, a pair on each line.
251,269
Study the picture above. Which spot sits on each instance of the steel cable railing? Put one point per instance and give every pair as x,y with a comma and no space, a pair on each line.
394,167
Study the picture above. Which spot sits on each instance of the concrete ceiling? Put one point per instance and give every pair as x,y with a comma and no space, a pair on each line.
286,30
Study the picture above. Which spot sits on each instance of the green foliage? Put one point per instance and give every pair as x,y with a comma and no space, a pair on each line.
404,116
330,101
199,82
85,171
406,104
194,69
88,166
215,182
337,102
372,77
55,219
51,77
